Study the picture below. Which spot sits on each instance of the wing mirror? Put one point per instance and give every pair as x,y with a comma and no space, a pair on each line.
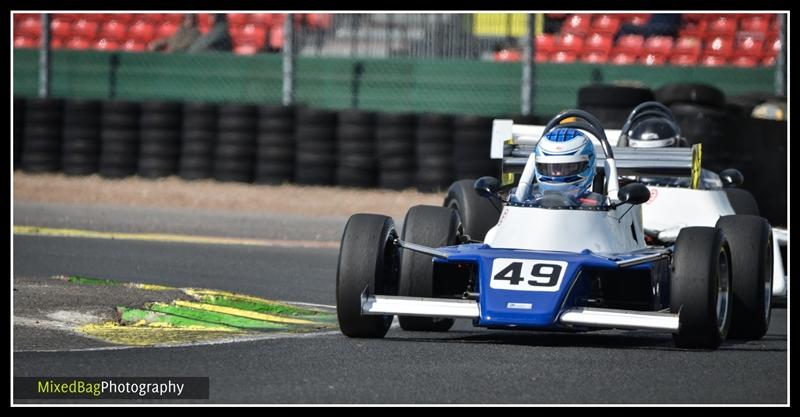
731,177
633,193
487,187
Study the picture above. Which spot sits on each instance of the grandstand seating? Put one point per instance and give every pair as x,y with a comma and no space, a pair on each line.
744,40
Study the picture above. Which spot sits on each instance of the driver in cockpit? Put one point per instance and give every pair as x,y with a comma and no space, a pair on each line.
564,171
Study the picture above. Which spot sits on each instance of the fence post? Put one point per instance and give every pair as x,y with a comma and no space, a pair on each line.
44,58
528,47
780,64
288,60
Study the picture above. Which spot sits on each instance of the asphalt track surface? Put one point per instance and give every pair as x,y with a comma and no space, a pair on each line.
465,365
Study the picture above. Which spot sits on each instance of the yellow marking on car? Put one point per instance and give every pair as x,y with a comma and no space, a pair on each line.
241,313
165,237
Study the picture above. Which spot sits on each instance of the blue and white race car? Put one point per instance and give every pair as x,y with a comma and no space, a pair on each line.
541,267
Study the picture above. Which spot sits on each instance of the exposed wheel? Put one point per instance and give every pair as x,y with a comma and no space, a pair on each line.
367,258
742,201
750,240
700,287
430,226
478,215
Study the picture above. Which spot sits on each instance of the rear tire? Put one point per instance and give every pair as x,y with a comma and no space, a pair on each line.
700,287
434,227
367,258
750,239
478,215
742,201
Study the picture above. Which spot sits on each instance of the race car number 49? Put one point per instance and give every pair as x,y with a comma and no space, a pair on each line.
527,274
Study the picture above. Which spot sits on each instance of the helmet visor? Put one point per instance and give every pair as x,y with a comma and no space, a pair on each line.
561,169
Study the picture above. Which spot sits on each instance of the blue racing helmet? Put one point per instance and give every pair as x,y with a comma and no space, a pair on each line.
565,161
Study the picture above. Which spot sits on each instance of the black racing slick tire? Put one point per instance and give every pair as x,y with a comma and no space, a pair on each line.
742,201
478,215
433,227
750,240
369,259
700,288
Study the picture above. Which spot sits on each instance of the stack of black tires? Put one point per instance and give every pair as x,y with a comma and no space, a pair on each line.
81,137
315,141
236,142
472,139
612,104
19,129
160,139
434,146
41,149
198,140
394,137
119,139
700,112
355,135
275,150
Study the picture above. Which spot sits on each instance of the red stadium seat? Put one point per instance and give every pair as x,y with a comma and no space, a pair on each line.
564,57
78,43
749,46
251,35
166,29
174,18
544,43
744,62
630,45
60,27
594,57
57,43
93,17
653,59
542,57
25,42
319,20
598,43
237,19
722,25
623,58
245,49
204,22
687,45
577,24
133,45
712,61
276,37
684,60
30,27
113,31
262,19
124,18
772,47
719,47
606,24
660,46
636,19
106,45
696,29
768,61
569,43
142,31
151,17
755,24
86,29
693,17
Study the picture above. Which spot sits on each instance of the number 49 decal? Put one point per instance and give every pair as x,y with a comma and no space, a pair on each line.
527,274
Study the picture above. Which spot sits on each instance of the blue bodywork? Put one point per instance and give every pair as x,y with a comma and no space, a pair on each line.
545,307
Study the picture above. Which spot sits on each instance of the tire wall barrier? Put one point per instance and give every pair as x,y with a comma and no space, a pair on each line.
276,144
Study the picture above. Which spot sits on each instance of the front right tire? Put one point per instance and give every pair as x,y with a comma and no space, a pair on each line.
700,287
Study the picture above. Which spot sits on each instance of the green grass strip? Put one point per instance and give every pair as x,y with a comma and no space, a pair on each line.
214,317
90,281
267,308
135,315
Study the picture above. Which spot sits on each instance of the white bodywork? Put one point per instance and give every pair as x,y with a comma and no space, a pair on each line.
567,230
670,209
